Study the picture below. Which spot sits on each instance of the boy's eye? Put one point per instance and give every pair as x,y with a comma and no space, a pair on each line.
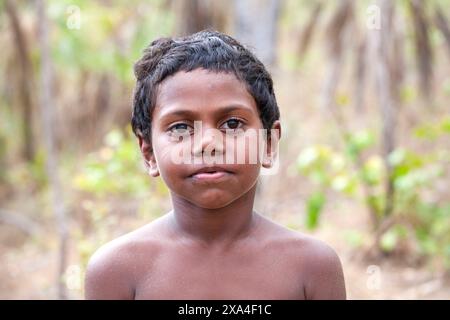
180,129
232,124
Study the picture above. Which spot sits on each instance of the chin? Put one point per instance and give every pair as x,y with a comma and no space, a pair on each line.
212,199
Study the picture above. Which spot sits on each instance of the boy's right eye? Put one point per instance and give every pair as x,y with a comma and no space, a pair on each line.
180,129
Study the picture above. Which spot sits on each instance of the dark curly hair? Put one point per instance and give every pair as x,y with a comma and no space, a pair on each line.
206,49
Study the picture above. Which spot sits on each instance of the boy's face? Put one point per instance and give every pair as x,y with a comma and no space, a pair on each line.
200,143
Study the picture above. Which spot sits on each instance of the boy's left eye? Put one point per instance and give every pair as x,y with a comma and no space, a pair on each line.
232,124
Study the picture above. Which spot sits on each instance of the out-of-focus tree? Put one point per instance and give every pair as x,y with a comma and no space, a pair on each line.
25,80
256,25
47,108
197,15
380,51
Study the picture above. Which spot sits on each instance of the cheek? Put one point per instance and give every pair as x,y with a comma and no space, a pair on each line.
169,166
246,149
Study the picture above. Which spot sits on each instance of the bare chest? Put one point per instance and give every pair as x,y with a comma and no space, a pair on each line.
195,275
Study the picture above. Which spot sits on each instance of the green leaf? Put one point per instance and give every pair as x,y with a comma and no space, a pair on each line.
445,125
389,240
314,207
307,157
373,170
354,238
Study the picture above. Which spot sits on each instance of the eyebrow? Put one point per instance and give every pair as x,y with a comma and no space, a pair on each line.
189,112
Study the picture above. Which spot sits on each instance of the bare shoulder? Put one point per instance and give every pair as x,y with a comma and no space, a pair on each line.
323,269
112,270
319,264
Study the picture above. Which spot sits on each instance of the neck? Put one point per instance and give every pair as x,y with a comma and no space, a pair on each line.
221,225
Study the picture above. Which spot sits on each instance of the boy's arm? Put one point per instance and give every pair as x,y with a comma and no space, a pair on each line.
324,275
106,275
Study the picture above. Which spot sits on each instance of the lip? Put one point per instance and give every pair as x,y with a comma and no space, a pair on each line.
210,174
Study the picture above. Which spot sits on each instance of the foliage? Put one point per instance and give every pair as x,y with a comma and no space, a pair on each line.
414,175
113,169
114,172
121,33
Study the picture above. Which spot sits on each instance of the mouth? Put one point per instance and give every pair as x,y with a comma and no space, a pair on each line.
210,174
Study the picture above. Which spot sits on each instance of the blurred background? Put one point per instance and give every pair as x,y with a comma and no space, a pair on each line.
363,88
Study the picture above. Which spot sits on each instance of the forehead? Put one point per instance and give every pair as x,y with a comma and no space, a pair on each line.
203,90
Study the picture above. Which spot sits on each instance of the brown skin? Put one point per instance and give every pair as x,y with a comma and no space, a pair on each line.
212,245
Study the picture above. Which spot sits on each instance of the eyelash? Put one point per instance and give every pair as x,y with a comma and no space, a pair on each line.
178,124
240,123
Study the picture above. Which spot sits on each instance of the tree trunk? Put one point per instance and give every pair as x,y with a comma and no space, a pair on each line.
25,81
47,109
256,25
424,51
442,25
383,41
309,29
336,36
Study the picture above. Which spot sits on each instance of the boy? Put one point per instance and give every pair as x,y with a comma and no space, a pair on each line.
212,245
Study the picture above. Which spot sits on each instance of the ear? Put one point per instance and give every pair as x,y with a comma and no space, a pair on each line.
149,157
273,138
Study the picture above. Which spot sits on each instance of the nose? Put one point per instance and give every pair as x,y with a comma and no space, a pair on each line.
207,140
